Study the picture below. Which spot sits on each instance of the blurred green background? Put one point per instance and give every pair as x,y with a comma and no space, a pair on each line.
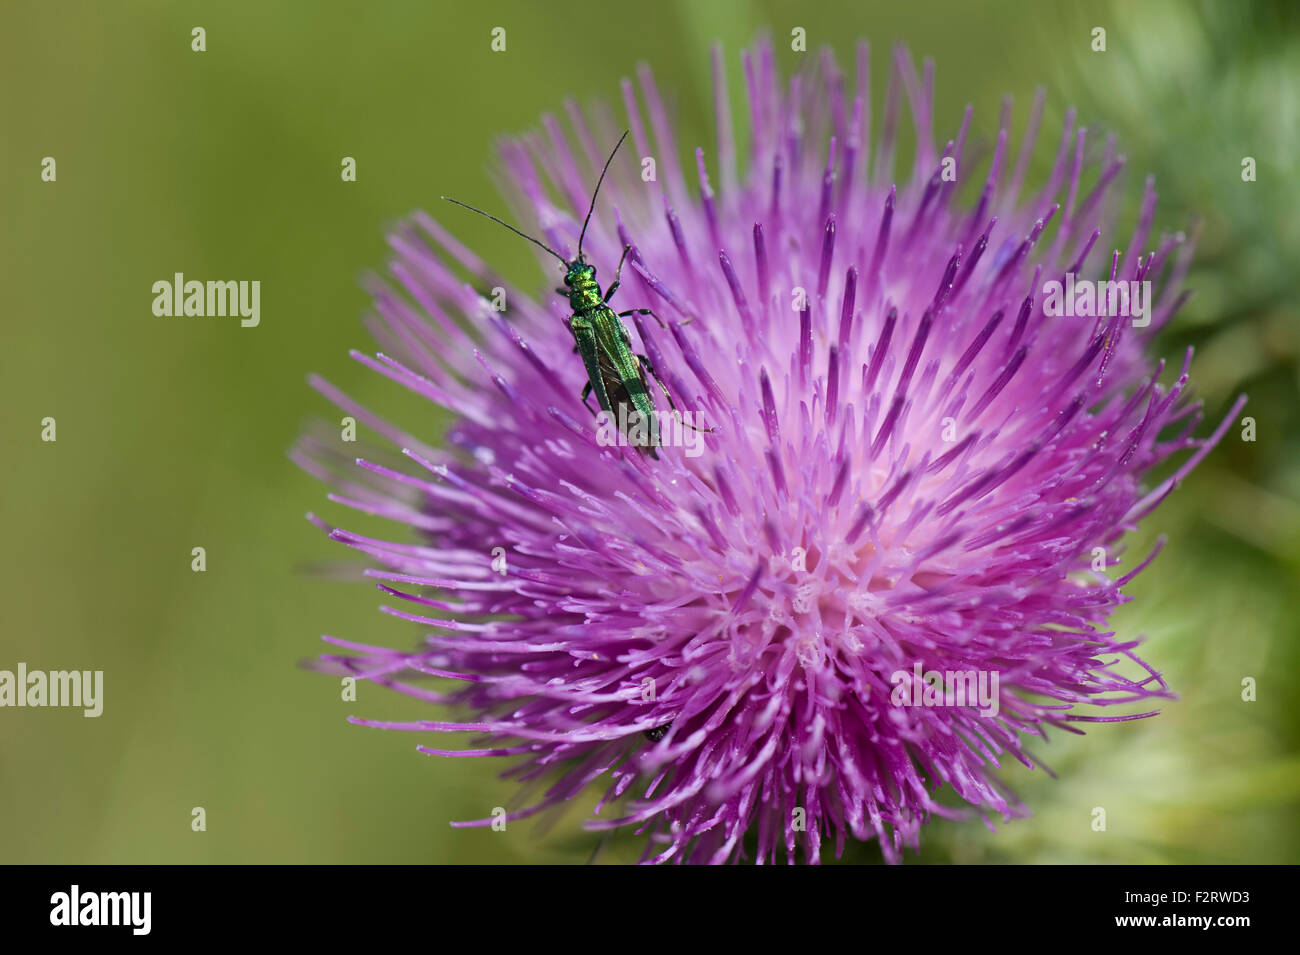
172,433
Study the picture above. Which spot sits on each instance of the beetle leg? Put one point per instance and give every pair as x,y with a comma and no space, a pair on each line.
609,292
645,363
700,430
664,388
643,311
586,393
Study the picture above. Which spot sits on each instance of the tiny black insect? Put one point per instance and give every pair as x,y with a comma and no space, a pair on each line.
658,733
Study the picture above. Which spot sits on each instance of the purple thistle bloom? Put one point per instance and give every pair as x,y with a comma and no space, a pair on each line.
912,465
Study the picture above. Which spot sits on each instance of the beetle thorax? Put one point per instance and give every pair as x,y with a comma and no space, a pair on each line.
584,290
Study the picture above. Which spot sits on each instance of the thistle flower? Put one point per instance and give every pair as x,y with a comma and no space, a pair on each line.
913,468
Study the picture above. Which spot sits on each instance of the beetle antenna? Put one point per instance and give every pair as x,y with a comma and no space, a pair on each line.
536,242
597,192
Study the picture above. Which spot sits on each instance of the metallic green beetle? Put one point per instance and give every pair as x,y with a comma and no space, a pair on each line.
614,372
